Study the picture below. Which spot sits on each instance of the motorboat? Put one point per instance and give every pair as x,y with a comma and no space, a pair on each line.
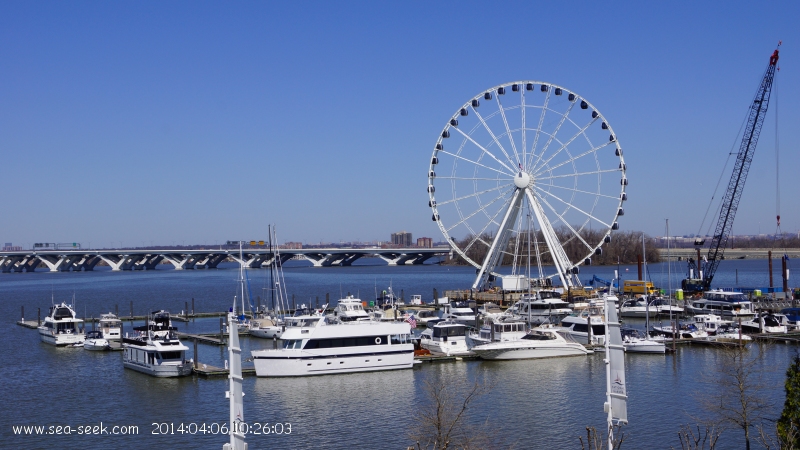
540,342
445,337
489,311
578,324
422,316
710,323
639,307
111,326
159,323
764,322
459,312
729,333
267,327
684,331
665,306
416,300
319,345
497,331
349,309
635,341
792,316
727,304
156,353
96,341
61,327
540,307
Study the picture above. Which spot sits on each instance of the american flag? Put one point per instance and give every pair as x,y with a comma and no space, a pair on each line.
412,321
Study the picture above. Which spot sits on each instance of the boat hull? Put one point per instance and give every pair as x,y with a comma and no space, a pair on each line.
288,363
96,344
61,339
645,347
266,332
500,352
162,370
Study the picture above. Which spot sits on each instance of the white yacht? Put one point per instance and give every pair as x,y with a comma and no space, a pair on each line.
728,333
639,307
636,342
110,326
577,324
316,345
95,341
541,342
665,306
267,327
723,303
489,311
684,331
459,312
540,307
710,323
159,323
349,309
764,322
156,353
422,316
446,337
497,331
61,327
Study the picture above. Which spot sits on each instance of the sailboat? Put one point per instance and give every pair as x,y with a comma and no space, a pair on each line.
271,326
633,341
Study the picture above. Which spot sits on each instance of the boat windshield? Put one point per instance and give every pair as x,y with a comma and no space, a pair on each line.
449,331
307,323
539,336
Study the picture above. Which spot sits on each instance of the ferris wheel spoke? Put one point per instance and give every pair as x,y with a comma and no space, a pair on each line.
553,134
541,121
474,194
469,178
487,152
524,130
592,150
598,194
578,174
569,141
569,205
508,129
480,209
476,163
493,219
494,138
566,224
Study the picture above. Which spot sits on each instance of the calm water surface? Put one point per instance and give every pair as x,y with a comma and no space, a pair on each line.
531,404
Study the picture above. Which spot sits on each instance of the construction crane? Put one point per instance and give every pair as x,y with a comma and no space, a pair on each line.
727,212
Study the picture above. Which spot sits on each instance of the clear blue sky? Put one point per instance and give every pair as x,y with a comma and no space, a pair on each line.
171,122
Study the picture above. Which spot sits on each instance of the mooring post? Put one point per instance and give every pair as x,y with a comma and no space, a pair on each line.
769,258
220,329
294,303
318,302
116,310
39,316
187,311
274,342
22,316
132,310
193,306
195,353
785,275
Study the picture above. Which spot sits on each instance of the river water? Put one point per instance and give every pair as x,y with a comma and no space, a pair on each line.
528,404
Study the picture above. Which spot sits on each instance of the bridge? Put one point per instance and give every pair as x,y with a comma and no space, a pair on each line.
148,259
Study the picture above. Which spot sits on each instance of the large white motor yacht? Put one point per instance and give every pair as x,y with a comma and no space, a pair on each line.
577,324
723,303
540,342
459,311
110,326
638,307
540,307
446,337
316,345
159,354
497,331
61,327
350,309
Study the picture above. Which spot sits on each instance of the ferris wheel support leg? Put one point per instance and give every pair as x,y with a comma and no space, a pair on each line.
560,258
501,240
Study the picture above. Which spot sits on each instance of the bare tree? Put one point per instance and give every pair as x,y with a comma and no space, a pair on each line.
698,441
596,441
441,424
739,401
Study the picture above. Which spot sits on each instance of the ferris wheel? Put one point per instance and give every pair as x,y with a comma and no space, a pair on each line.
523,159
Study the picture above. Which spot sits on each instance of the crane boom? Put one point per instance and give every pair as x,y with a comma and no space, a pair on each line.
730,203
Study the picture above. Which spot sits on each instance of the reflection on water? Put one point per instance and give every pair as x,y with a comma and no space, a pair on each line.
531,404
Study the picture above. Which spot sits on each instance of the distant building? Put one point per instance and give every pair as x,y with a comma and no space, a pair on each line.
425,242
9,247
402,239
293,245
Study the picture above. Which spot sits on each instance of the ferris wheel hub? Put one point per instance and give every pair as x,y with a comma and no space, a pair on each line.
522,180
